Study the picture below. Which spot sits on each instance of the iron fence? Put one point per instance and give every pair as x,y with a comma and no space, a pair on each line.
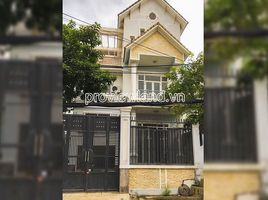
230,125
161,145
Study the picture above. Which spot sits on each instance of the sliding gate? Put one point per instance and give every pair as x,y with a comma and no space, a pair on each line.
91,153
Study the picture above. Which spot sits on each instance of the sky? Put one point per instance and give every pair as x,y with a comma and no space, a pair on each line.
105,12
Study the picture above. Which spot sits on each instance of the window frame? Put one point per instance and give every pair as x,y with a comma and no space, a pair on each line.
161,81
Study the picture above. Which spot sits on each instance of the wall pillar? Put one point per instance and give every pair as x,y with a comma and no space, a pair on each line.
124,148
198,151
261,119
134,81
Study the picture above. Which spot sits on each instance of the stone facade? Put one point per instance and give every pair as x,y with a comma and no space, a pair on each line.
158,178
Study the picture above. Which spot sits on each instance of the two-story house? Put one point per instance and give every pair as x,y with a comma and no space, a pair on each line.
141,149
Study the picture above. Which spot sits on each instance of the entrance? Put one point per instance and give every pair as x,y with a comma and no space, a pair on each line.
91,152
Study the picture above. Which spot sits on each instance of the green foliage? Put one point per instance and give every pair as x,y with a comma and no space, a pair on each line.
166,192
238,15
188,79
235,14
81,72
45,15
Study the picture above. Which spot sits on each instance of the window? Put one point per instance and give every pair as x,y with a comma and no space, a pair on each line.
132,38
142,31
151,84
109,41
152,16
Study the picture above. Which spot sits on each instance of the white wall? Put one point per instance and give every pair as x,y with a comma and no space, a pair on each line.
118,82
37,50
140,19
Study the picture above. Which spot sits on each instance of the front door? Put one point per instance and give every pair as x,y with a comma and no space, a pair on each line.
91,152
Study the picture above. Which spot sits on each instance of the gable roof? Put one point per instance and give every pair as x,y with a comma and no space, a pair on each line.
172,10
163,31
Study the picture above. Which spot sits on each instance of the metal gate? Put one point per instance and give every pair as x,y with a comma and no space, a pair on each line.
30,138
91,152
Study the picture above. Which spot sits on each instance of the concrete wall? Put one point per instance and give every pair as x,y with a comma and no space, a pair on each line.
139,18
226,184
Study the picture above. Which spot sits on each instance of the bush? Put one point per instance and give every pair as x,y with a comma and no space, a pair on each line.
166,192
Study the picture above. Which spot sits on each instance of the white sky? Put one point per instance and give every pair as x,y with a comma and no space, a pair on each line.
105,12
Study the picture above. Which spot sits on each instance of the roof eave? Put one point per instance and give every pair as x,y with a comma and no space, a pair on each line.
154,28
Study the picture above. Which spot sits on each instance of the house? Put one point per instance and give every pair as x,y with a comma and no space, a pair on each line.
135,149
236,133
31,109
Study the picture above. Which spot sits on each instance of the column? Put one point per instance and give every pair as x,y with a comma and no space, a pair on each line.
124,148
261,119
134,81
198,151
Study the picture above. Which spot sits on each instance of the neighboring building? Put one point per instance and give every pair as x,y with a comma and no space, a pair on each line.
155,150
236,156
31,107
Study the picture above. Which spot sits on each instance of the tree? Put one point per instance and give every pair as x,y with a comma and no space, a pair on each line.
188,79
238,16
81,71
44,15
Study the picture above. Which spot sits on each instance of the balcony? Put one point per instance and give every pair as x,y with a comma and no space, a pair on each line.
111,46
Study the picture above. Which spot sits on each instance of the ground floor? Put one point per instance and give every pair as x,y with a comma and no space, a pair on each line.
135,150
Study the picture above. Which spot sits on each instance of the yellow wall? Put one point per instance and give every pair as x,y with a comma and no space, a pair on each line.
150,178
224,185
158,42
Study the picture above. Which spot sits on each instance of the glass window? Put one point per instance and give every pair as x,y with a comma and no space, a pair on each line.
141,85
152,16
164,85
157,87
164,78
152,78
151,83
149,86
141,77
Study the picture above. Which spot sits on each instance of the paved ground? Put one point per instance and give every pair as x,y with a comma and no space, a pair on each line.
95,196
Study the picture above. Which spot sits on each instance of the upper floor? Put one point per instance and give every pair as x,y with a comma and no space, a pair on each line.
137,20
143,47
